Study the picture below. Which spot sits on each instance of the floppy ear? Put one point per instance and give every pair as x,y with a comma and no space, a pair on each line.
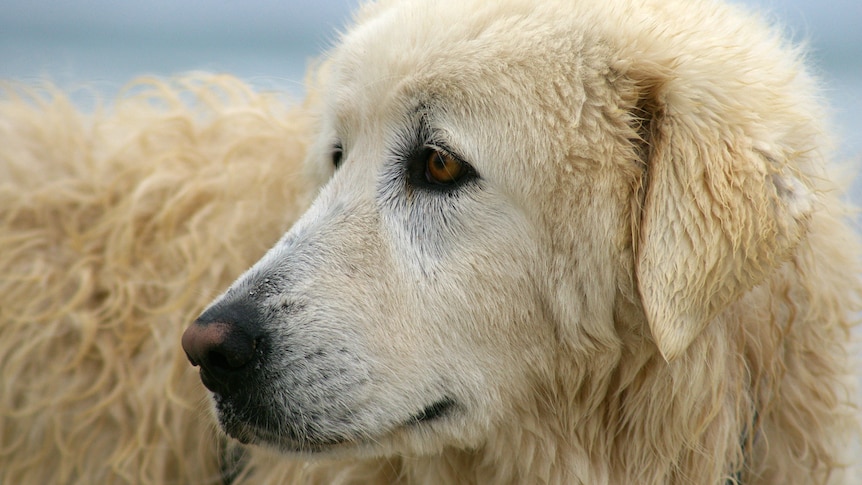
717,215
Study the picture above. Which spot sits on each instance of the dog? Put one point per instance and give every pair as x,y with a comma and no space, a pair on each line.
556,242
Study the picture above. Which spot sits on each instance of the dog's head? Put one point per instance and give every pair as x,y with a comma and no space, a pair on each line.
503,183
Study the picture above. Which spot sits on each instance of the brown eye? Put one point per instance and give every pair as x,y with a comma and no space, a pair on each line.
442,168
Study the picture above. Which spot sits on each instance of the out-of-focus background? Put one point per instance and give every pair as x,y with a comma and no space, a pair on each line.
102,44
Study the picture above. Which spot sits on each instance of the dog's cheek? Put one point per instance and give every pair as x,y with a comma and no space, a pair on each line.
483,310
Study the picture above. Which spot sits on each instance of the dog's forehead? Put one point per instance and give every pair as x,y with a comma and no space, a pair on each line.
409,50
480,78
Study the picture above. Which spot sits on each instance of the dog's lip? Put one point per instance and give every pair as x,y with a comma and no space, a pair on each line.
434,411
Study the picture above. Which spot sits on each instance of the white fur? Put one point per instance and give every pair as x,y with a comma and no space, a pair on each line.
642,286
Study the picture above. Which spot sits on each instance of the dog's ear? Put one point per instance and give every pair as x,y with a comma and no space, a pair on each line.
716,214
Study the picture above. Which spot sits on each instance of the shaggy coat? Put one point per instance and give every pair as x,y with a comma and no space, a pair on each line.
116,228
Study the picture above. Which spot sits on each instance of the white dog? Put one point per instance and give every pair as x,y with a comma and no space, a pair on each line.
561,241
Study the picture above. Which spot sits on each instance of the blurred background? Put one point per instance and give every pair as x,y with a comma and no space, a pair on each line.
102,44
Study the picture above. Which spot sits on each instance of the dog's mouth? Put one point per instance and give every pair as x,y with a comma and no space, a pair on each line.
433,412
258,430
260,427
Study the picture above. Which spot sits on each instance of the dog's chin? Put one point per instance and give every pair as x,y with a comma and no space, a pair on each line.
261,429
250,435
279,440
289,444
249,429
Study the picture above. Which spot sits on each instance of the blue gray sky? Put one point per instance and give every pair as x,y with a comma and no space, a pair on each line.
105,43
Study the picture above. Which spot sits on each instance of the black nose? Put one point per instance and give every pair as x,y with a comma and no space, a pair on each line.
224,341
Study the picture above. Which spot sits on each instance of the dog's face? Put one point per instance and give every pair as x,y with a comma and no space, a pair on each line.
409,307
482,177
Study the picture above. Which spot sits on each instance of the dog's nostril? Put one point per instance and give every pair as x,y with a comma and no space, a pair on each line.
215,359
236,350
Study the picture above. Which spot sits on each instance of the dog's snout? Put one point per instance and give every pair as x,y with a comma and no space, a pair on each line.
223,346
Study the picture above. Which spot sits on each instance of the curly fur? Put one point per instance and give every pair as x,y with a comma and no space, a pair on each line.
117,227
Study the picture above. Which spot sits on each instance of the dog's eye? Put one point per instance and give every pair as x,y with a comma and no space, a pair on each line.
337,154
443,169
437,169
